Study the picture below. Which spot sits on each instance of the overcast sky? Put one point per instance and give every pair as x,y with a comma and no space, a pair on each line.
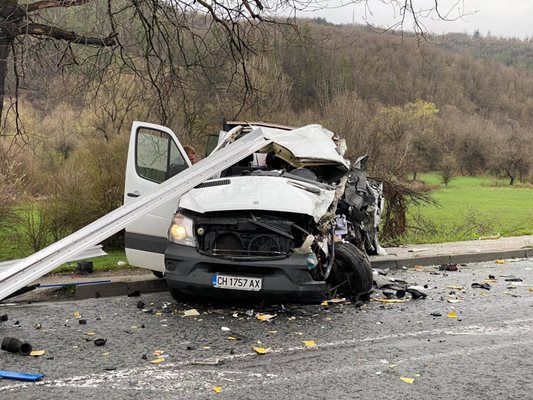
505,18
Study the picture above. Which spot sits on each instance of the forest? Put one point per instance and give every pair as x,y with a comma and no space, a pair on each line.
456,105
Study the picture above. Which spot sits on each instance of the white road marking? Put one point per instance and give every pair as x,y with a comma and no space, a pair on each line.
174,378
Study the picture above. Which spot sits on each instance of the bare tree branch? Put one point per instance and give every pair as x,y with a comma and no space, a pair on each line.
40,5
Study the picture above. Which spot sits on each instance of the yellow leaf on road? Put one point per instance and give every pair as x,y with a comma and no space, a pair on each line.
90,333
452,314
217,389
37,353
407,380
309,343
76,314
157,353
501,262
157,360
261,350
391,300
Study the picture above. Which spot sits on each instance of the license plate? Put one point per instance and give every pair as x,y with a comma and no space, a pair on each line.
237,282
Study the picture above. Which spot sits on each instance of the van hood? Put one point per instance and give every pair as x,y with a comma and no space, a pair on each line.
265,193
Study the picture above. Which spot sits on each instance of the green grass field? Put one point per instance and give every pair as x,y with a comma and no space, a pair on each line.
470,207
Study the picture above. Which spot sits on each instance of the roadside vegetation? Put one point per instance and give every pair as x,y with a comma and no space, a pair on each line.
413,106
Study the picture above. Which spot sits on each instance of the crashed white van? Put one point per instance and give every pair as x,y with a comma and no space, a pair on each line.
292,221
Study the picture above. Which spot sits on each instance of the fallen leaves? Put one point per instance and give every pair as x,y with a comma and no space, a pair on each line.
261,350
409,381
310,344
37,353
264,317
217,389
452,314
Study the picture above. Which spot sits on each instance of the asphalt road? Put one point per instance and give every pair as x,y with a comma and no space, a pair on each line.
361,352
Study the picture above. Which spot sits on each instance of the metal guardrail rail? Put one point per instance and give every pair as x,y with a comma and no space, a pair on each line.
26,271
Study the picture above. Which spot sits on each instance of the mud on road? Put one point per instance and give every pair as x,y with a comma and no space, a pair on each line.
375,350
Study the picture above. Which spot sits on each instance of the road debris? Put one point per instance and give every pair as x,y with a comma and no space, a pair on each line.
4,318
449,267
14,345
477,285
193,312
157,360
21,376
217,389
513,279
310,344
208,361
37,353
100,342
264,317
409,381
501,262
436,314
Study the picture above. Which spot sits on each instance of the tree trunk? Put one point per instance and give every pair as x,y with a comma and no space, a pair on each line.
5,44
511,180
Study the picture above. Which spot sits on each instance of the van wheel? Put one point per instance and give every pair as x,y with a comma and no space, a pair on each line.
158,274
352,273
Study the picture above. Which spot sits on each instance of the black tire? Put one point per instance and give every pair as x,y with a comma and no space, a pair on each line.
158,274
351,273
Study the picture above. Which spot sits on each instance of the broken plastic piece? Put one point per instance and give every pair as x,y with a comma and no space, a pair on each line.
140,304
191,313
208,361
14,345
449,267
100,342
261,350
217,389
410,381
309,343
513,279
436,314
485,286
21,376
452,314
501,262
37,353
264,317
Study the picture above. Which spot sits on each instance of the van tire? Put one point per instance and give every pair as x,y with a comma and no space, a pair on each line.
352,271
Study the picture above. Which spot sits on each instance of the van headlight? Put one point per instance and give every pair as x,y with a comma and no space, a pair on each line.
181,230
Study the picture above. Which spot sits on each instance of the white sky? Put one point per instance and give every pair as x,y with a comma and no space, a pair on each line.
504,18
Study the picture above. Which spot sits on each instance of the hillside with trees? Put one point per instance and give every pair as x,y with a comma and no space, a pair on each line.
462,106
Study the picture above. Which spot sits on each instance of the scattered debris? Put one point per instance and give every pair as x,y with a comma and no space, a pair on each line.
37,326
409,381
436,314
310,343
501,262
513,279
416,292
14,345
140,304
391,300
456,287
82,322
76,314
492,276
217,389
454,300
225,329
37,353
157,360
477,285
4,318
193,312
100,342
449,267
264,317
490,281
208,361
21,376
